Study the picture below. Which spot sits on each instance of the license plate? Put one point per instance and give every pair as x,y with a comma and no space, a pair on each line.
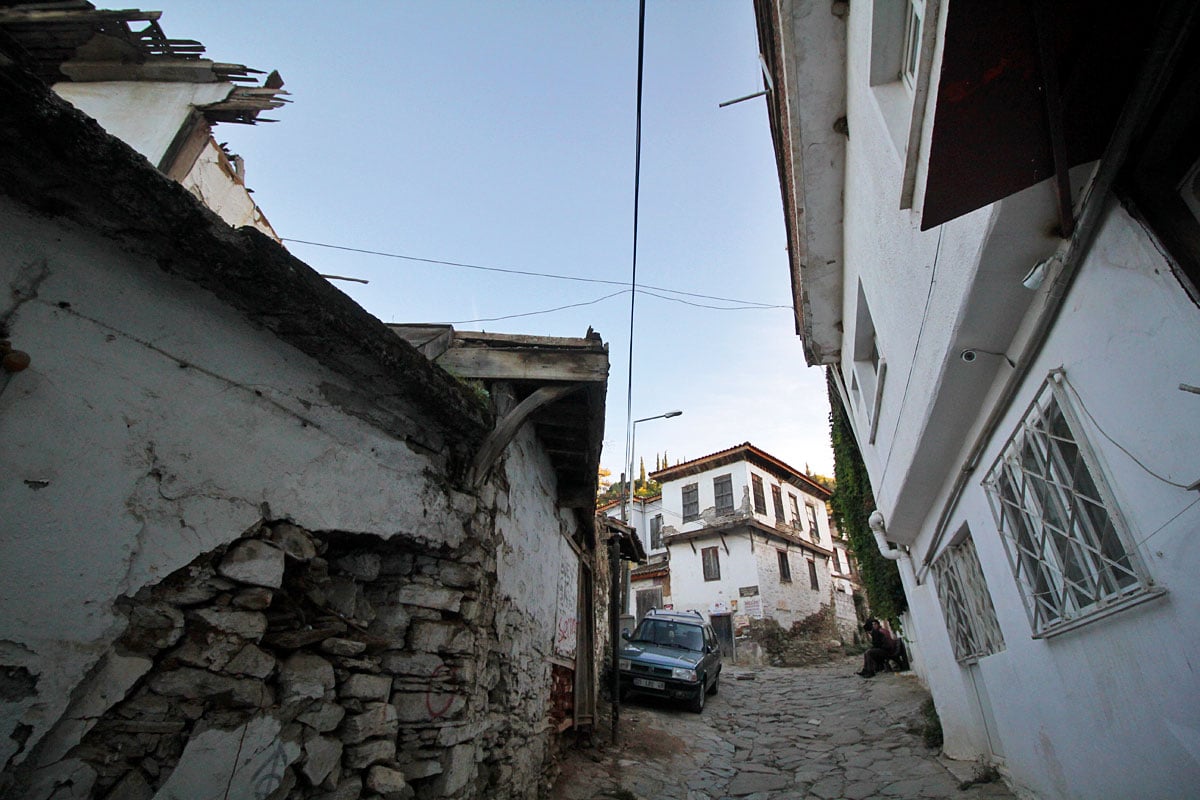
648,684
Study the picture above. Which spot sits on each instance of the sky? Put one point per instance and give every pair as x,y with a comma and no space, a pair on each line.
502,134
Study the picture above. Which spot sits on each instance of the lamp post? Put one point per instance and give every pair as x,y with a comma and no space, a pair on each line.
625,502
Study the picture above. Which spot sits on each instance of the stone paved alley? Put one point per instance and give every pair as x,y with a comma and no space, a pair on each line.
806,732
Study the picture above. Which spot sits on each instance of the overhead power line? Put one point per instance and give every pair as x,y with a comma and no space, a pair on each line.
529,273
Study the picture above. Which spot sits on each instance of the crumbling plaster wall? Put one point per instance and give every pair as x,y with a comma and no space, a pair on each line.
146,115
156,424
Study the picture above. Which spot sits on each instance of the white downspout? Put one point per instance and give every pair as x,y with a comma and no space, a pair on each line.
885,549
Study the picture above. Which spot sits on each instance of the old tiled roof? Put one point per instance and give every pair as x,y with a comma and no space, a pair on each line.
743,452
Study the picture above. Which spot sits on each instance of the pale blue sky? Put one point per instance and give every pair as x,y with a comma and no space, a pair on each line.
502,134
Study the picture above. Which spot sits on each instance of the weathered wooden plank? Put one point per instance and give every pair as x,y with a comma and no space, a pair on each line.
532,365
565,342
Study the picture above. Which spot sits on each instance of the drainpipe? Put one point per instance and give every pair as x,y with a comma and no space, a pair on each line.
885,549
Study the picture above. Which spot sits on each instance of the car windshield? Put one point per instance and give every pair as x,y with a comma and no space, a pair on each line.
670,634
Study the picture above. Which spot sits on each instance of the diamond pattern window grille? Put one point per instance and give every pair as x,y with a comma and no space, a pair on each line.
966,603
1065,539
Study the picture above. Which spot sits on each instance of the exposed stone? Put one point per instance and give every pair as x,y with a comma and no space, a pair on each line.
458,575
210,651
460,771
191,683
255,598
370,752
348,788
425,768
436,597
188,586
133,786
246,624
361,565
751,782
250,760
342,594
153,626
253,561
388,782
251,660
366,687
320,756
323,717
343,647
305,675
71,779
108,686
391,622
294,640
440,637
399,662
425,705
377,719
286,784
293,541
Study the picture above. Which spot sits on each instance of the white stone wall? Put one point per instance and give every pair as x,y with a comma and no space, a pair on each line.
155,425
689,590
789,601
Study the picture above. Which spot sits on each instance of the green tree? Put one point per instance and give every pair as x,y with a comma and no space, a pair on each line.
853,501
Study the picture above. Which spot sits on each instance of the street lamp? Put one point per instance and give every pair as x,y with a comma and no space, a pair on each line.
629,474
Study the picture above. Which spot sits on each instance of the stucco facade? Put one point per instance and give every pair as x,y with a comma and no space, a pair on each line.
1020,379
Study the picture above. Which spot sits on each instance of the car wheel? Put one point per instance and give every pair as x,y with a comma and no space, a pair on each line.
715,684
697,702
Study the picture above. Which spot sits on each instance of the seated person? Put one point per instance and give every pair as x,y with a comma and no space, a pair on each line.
884,648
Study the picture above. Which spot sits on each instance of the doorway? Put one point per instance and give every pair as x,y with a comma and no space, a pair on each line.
722,625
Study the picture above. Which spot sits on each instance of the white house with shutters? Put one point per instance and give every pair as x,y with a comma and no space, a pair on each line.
747,536
993,218
646,584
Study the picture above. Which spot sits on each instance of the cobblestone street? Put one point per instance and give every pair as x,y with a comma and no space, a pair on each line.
775,733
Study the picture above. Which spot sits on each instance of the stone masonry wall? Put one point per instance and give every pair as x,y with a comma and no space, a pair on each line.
303,665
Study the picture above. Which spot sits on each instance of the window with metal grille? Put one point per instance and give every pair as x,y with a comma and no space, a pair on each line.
712,563
760,497
785,568
691,501
656,541
966,603
1066,542
814,532
723,489
777,501
812,576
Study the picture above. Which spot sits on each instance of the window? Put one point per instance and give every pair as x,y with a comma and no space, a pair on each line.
777,501
691,502
1065,540
785,568
837,561
910,58
712,564
760,497
814,532
795,510
966,604
723,489
870,368
812,576
656,541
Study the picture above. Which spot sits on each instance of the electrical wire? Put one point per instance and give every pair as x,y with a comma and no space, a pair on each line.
528,273
637,183
535,313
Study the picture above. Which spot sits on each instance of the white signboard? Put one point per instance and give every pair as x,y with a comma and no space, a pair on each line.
752,606
566,620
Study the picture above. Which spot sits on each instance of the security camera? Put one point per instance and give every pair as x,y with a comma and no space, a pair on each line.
968,356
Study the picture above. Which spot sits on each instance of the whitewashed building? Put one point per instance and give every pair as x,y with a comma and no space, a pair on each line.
993,212
250,536
747,537
645,584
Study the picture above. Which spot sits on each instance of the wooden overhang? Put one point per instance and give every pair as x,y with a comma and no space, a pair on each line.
629,544
744,452
1028,89
559,385
72,40
748,525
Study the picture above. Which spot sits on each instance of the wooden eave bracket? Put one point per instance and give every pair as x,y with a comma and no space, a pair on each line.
507,428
